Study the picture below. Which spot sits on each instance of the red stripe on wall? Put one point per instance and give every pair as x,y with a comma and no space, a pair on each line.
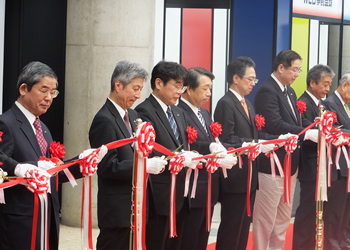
197,40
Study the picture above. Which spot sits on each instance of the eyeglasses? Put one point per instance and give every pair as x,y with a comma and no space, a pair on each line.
296,71
255,81
180,89
53,93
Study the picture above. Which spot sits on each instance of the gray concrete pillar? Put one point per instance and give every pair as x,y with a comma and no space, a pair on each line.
99,34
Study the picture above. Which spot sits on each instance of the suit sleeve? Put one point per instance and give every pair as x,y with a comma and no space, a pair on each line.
102,131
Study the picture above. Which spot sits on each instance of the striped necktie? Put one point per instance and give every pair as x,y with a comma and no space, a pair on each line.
173,124
40,137
202,120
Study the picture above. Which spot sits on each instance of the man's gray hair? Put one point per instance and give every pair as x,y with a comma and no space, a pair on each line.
125,71
345,78
317,72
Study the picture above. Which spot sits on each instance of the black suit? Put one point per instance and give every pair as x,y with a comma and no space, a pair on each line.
236,129
19,145
195,233
158,224
337,209
305,217
114,177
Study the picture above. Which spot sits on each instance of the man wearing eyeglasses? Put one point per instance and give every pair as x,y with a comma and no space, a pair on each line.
25,138
276,101
170,126
237,117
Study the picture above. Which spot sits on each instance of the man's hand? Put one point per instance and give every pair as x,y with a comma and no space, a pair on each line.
155,165
216,148
21,170
228,162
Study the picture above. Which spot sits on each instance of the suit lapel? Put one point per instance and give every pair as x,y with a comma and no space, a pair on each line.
239,106
162,117
313,105
341,109
27,130
293,100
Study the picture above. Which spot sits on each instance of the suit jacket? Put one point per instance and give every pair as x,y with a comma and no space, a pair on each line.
271,103
115,170
202,146
308,165
236,129
333,104
20,145
151,111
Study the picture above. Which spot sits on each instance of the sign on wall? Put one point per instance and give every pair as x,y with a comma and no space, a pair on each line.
318,8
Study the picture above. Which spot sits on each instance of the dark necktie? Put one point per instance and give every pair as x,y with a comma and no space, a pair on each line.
40,137
127,122
202,120
173,124
285,92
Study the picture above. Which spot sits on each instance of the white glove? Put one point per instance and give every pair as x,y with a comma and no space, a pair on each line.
284,136
267,148
340,141
45,165
100,155
188,159
21,169
228,162
155,165
245,144
217,147
312,135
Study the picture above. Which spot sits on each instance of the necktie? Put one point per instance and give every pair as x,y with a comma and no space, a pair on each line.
347,109
127,122
245,107
285,92
202,120
40,137
319,104
173,124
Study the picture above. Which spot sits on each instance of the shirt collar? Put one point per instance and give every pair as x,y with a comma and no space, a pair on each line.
162,104
30,117
239,97
119,109
338,95
194,108
313,97
278,82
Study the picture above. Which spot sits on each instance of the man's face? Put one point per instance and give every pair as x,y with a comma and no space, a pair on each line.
39,98
202,94
321,89
170,93
246,83
126,96
345,92
288,75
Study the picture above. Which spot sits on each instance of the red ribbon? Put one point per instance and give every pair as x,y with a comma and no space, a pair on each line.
175,166
289,146
212,166
252,154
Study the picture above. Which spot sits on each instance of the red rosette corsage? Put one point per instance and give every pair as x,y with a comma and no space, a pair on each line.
301,106
192,134
215,129
291,144
57,150
145,139
252,154
1,135
259,121
176,164
37,182
88,165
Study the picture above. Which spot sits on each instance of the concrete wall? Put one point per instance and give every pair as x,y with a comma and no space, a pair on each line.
99,34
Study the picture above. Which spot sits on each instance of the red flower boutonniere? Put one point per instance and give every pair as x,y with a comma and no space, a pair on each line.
215,129
192,134
57,150
301,106
259,121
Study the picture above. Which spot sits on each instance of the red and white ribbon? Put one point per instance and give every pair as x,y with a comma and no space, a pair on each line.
39,185
175,166
274,159
144,143
88,166
212,166
252,154
289,146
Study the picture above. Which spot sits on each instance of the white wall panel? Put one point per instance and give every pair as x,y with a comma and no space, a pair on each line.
313,43
172,34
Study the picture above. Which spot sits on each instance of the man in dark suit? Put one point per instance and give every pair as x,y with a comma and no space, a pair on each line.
115,121
319,80
237,117
337,210
25,138
198,92
276,101
170,126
